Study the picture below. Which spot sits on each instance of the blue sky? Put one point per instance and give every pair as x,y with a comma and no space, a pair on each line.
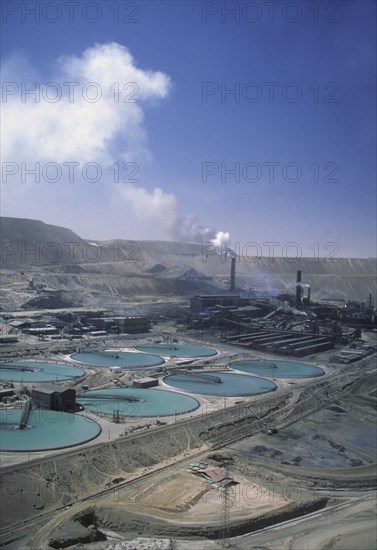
182,57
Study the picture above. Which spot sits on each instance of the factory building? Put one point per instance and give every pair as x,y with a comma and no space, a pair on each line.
6,339
145,382
132,325
217,477
203,302
282,342
45,331
6,392
100,323
21,324
54,398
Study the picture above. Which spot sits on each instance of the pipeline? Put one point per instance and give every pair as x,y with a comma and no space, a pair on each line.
25,413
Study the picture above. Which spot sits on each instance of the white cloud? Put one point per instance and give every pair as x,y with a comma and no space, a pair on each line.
93,111
155,205
79,129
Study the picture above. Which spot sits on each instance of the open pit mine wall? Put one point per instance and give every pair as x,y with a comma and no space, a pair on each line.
61,260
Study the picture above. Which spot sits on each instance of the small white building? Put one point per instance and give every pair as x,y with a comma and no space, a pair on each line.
115,370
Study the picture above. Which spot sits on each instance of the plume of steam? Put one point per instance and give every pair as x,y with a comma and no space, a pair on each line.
162,208
221,238
220,242
288,309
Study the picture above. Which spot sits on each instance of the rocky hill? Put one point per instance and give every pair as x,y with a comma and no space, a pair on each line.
36,256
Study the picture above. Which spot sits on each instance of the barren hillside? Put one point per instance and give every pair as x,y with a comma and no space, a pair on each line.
35,255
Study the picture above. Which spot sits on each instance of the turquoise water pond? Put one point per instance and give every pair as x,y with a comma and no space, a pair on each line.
229,385
125,359
45,430
277,369
136,402
32,371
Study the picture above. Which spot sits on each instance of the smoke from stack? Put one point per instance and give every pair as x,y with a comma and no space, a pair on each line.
299,291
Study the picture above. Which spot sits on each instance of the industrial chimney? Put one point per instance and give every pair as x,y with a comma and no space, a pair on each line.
233,274
298,289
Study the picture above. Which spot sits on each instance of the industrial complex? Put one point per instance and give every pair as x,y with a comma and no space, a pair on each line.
214,418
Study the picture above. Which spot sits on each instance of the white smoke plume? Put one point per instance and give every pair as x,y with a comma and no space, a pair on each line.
221,238
289,309
161,208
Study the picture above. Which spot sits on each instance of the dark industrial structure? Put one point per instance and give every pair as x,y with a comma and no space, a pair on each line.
54,398
282,342
232,285
285,324
132,325
6,392
145,382
201,303
298,289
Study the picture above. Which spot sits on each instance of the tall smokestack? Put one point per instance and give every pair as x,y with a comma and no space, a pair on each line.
298,289
233,274
308,294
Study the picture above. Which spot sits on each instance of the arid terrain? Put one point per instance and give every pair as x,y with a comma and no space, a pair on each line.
115,273
302,459
302,477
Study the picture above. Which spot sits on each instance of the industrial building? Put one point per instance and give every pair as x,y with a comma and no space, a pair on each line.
201,303
6,339
45,331
6,392
54,398
282,324
132,325
215,476
145,382
282,342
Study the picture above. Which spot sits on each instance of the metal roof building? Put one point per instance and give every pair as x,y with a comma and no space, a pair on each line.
55,398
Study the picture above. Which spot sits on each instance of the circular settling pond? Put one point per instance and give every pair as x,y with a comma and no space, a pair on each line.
45,430
277,369
125,359
32,371
178,350
220,384
136,402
